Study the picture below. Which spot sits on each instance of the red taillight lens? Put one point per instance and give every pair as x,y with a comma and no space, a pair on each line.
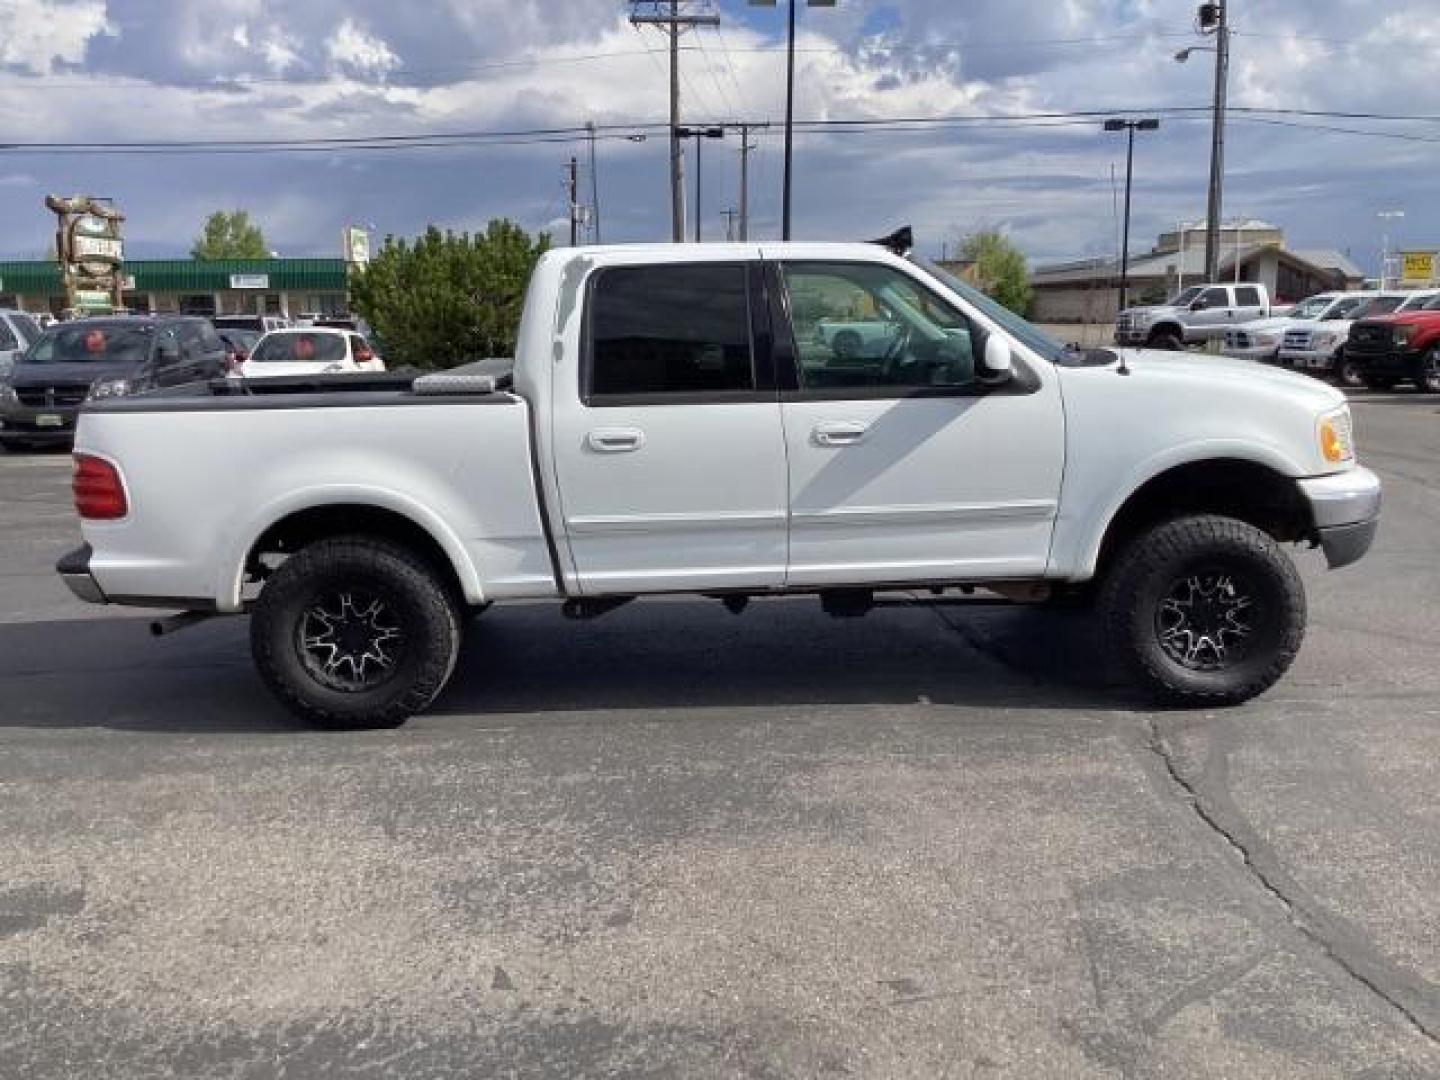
99,494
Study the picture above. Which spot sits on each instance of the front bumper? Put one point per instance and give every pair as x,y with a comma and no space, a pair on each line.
1308,359
1397,363
1133,336
22,423
1346,510
1264,354
74,570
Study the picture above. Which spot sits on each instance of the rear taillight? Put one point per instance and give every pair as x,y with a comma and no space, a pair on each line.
99,492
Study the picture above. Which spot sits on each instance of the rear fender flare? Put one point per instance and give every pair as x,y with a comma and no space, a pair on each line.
228,592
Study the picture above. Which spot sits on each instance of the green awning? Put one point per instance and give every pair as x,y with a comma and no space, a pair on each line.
187,275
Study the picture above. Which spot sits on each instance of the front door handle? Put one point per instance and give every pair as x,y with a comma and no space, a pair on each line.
840,433
615,440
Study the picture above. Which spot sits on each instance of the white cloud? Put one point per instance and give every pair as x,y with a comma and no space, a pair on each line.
355,48
38,34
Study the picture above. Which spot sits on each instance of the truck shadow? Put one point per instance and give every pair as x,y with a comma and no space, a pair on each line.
657,655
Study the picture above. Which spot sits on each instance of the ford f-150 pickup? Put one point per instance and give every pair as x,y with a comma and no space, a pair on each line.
1195,315
670,424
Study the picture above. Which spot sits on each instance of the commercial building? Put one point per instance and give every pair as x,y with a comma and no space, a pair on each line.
291,287
1088,291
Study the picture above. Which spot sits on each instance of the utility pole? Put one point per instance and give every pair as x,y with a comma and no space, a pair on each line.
1213,16
746,146
574,184
594,185
669,14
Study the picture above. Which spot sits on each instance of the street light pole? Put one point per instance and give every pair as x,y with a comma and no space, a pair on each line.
1129,127
1215,14
698,133
1386,216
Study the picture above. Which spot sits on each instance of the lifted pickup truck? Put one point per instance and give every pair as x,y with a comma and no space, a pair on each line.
671,427
1194,316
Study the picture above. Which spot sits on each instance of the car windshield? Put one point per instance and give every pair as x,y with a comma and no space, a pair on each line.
1311,308
1381,305
1347,308
241,339
82,344
1433,304
291,348
1186,296
1025,332
28,326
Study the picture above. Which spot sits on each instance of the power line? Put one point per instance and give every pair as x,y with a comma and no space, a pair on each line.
612,131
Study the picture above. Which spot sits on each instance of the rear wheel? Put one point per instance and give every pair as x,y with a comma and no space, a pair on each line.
1204,610
1427,372
355,632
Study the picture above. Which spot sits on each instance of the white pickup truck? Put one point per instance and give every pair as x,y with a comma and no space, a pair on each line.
1193,316
669,427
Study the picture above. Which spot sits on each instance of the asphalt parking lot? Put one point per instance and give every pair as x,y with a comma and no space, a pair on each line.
678,843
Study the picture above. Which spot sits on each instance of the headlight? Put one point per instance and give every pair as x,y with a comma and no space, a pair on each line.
1337,436
107,388
1326,340
1403,334
1268,339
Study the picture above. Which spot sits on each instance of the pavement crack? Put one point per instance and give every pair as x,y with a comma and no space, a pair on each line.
1191,795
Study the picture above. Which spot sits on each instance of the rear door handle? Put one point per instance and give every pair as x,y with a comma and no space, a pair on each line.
615,440
840,433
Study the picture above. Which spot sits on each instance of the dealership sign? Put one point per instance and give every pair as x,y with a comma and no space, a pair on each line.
90,251
1417,266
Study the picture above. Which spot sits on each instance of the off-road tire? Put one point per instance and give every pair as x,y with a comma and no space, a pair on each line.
419,600
1147,570
1427,372
1167,340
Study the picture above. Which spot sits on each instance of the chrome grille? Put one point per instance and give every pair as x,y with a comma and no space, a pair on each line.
51,397
1297,339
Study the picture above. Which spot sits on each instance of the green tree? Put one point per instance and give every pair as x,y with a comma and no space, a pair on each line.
1000,269
447,298
230,236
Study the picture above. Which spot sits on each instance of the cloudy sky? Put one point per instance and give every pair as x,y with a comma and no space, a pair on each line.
157,70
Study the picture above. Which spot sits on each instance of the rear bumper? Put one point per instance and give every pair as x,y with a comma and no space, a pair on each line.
1346,510
24,423
74,570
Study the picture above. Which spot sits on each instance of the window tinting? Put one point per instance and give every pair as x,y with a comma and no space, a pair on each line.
674,329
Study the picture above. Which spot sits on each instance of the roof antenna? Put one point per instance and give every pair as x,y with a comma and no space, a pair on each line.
901,241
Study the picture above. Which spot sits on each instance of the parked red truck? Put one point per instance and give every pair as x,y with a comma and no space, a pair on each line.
1397,348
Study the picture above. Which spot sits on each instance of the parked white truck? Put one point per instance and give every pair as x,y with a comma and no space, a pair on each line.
671,427
1195,315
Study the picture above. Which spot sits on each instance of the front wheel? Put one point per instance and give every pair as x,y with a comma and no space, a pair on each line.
1204,610
355,632
1346,372
1427,372
1168,340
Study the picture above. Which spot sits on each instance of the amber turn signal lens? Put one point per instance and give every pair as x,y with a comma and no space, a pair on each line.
1331,444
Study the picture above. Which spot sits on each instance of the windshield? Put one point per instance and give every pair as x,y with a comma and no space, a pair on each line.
1345,309
28,326
1382,305
82,344
292,348
1023,331
1186,296
1311,308
241,339
1433,304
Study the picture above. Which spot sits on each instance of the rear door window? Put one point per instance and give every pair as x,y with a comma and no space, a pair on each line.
668,332
1247,296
